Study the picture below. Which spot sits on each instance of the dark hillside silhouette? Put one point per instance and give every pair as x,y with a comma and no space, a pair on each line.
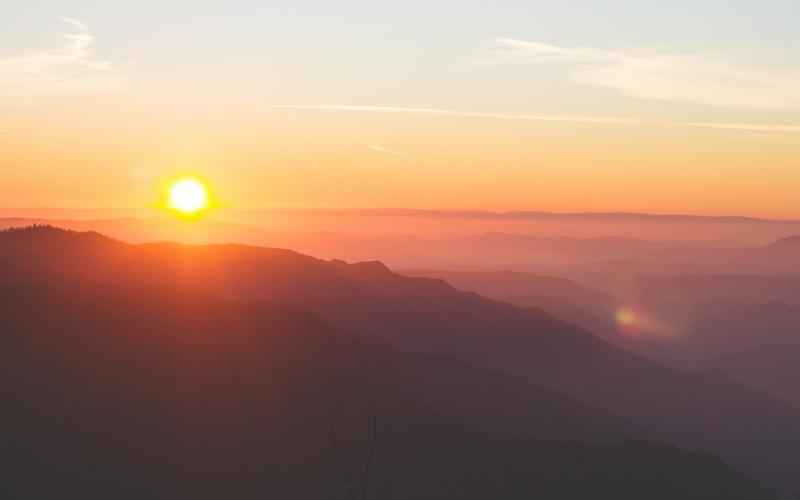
698,409
125,393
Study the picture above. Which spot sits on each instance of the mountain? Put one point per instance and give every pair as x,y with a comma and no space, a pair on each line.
552,255
535,214
116,391
744,326
487,400
714,325
720,288
791,243
771,367
517,284
698,409
154,229
563,298
601,262
585,225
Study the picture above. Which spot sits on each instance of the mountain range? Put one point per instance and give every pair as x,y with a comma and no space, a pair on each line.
576,376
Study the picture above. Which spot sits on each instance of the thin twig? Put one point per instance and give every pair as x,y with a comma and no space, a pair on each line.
346,475
371,453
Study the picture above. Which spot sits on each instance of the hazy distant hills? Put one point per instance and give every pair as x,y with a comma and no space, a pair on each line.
539,214
121,382
451,223
729,288
772,367
429,316
728,311
517,285
747,326
787,245
561,297
600,262
687,287
705,316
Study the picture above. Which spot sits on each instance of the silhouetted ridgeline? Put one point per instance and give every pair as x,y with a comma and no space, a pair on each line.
170,371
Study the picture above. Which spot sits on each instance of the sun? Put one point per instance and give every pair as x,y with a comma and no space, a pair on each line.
188,197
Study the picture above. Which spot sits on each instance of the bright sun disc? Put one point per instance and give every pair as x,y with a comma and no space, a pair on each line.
188,196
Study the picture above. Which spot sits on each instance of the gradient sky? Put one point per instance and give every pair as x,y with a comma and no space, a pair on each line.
680,106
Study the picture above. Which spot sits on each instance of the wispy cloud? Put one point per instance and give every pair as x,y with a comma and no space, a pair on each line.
69,67
382,149
450,112
698,78
753,127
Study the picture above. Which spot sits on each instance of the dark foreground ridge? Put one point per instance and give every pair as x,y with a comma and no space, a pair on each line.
168,371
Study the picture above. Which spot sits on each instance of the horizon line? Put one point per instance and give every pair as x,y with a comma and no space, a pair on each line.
432,213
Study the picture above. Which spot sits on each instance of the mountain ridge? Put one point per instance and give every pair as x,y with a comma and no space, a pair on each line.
427,316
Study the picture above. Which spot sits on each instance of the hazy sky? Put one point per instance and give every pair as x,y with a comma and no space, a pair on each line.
679,106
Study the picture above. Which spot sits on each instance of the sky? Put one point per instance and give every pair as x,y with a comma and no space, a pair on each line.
646,106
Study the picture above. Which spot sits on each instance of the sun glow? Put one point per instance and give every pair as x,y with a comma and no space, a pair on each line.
188,197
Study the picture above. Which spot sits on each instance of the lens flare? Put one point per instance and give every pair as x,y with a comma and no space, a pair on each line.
629,319
625,316
635,320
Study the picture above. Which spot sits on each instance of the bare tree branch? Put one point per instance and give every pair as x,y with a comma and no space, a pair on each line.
342,467
369,459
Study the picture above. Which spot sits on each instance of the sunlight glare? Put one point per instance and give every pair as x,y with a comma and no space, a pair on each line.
188,196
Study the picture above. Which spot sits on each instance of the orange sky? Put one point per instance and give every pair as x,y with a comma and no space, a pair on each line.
291,159
480,120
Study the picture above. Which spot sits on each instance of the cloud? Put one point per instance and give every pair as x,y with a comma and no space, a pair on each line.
449,112
697,78
753,127
69,67
383,149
